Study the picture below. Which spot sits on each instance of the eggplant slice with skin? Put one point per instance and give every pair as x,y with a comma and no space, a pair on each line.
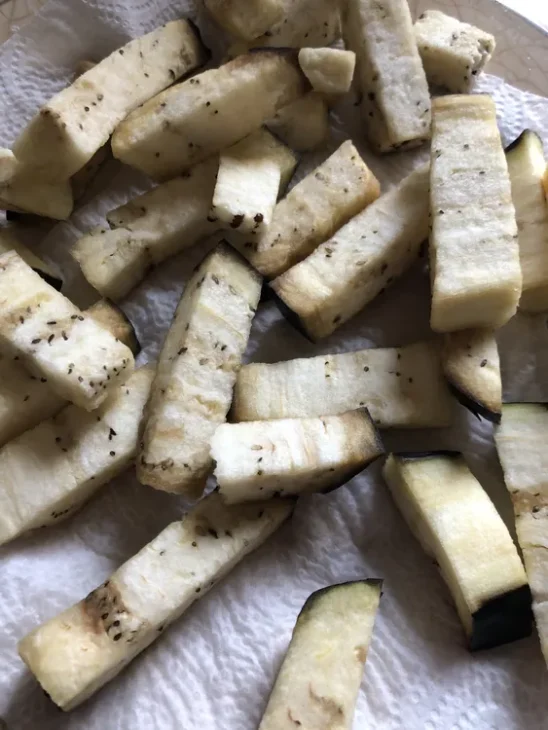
319,680
458,526
292,456
470,362
521,444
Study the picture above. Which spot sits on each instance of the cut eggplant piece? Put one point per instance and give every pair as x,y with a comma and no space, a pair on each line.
81,361
10,242
329,70
471,364
526,165
521,445
148,230
458,526
319,680
363,257
76,653
292,456
312,211
400,386
24,193
112,318
251,174
51,470
70,128
192,391
304,124
209,112
304,23
27,400
395,100
244,18
453,53
474,252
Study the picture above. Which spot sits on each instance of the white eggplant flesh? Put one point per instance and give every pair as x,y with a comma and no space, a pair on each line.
26,400
474,252
77,652
319,680
471,364
329,70
363,258
521,445
453,53
148,230
292,456
51,470
81,360
25,193
247,19
304,124
526,166
251,174
70,128
304,23
210,111
459,527
311,212
395,100
197,369
400,386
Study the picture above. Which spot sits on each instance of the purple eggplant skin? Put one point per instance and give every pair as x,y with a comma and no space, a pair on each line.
503,619
313,598
479,410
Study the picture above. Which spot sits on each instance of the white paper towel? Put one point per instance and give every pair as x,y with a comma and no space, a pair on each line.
214,668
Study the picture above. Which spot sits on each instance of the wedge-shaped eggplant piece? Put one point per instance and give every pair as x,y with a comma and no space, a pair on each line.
304,124
453,53
111,317
312,211
471,364
245,19
395,100
77,652
148,230
292,456
251,174
49,471
526,165
329,70
319,680
459,527
209,112
26,400
81,360
304,23
400,386
474,252
10,242
192,391
25,193
70,128
363,257
521,445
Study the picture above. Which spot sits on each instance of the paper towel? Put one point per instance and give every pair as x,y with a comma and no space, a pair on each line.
214,668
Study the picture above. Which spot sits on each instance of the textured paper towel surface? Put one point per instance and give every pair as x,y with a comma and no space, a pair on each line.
214,668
